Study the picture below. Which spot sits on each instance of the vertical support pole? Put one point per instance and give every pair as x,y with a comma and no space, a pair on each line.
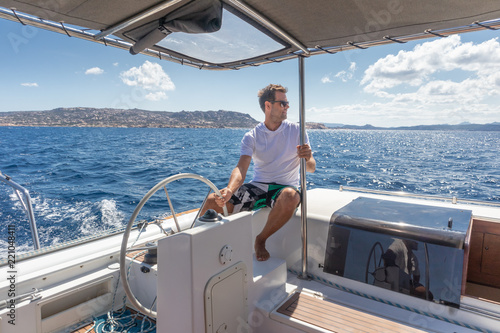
303,205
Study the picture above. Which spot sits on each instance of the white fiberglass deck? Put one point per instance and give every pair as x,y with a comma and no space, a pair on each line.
80,282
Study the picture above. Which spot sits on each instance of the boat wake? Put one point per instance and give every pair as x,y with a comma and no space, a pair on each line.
59,221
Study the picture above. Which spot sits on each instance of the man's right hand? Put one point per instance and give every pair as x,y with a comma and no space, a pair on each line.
226,195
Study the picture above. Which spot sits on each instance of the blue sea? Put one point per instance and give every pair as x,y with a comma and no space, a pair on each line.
85,181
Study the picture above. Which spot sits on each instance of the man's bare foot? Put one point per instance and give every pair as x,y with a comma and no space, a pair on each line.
260,250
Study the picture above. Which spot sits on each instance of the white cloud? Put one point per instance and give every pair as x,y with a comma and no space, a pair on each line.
94,71
416,67
326,79
344,75
156,96
396,113
442,81
347,75
30,84
150,77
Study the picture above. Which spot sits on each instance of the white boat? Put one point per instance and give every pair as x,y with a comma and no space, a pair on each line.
334,266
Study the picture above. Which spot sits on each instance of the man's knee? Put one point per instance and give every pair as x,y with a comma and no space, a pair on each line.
290,197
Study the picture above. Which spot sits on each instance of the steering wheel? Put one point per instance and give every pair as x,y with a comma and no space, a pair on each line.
123,251
374,260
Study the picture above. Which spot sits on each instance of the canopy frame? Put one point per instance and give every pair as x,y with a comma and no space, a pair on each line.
298,49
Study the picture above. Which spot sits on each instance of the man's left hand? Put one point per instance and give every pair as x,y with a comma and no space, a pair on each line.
304,151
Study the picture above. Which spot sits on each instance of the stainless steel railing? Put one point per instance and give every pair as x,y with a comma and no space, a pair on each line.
24,197
453,200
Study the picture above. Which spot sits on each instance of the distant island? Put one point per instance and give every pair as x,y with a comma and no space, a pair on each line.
444,127
107,117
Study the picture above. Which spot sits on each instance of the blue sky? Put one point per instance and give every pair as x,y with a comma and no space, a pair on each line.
435,81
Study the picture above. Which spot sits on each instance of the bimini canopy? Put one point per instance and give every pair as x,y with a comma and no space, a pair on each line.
230,34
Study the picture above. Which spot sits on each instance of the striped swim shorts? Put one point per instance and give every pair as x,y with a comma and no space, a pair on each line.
254,195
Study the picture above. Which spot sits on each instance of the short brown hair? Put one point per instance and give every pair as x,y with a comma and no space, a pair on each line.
269,94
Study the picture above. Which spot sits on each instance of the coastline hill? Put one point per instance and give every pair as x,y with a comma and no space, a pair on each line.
107,117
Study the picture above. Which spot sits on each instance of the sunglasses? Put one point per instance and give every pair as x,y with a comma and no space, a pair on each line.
283,104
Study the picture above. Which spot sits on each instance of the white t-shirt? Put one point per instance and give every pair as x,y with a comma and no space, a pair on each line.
274,153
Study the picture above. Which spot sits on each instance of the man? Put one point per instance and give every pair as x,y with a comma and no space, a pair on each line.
401,254
275,147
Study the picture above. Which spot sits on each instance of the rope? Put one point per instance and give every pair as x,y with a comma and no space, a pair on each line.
124,320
